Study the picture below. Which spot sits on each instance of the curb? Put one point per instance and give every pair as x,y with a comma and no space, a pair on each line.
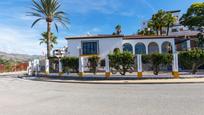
117,82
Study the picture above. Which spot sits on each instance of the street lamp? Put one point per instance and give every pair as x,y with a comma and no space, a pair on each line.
59,53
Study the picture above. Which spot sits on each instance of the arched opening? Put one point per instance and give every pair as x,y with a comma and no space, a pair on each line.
167,47
153,48
140,48
127,48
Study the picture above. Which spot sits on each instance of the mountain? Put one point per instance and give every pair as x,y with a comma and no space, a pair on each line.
18,57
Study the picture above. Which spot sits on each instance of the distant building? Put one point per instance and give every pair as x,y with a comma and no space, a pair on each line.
177,29
185,38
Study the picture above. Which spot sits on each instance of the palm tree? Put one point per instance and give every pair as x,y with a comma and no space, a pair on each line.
118,29
158,21
169,20
48,10
53,39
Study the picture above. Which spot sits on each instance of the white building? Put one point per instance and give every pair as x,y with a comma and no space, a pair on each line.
102,45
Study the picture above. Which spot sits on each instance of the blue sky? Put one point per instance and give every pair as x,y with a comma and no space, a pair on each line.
86,16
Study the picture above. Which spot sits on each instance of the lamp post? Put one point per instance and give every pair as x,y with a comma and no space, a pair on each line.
81,63
59,54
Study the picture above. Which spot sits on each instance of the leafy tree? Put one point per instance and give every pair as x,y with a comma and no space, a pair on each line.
53,39
157,60
94,61
193,59
70,64
118,30
194,17
48,10
122,62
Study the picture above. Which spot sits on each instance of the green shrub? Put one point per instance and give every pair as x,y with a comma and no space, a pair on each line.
122,62
70,64
156,60
193,59
93,63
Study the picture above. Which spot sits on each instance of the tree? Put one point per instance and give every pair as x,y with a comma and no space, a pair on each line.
194,17
161,19
53,39
169,21
157,60
158,21
118,30
93,63
146,31
193,59
70,63
122,62
48,10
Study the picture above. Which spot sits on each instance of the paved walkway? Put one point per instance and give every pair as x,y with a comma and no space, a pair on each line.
13,73
119,80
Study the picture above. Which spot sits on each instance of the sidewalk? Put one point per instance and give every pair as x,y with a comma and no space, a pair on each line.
13,73
118,80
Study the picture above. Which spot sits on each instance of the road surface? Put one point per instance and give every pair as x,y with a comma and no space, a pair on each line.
22,97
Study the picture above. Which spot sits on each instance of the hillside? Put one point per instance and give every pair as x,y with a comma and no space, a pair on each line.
18,57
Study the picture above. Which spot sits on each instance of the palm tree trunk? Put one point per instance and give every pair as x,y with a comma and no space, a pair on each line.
167,33
161,31
157,30
48,38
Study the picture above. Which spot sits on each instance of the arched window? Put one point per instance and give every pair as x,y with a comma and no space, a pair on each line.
140,48
127,48
166,47
153,48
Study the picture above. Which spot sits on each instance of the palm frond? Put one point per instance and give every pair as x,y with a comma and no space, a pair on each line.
36,22
56,27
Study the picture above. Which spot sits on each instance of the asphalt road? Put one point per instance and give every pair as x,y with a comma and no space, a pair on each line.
21,97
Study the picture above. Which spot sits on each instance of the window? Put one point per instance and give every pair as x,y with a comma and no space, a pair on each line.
174,30
140,48
153,48
184,46
166,47
90,47
181,29
127,48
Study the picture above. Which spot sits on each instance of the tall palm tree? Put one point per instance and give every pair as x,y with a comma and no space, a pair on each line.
157,22
48,10
53,39
169,20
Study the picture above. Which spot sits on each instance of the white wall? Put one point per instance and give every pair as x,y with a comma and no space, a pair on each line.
106,45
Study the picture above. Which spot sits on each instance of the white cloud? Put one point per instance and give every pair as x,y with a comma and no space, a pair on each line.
149,5
85,6
128,13
14,40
